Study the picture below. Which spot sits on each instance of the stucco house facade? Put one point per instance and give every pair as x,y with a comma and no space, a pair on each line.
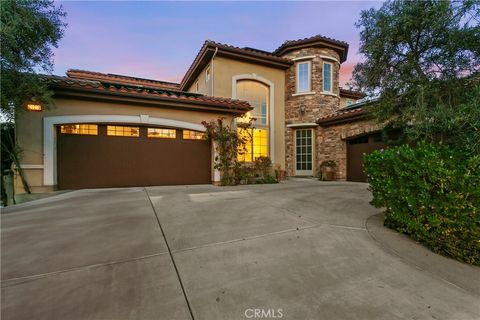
109,130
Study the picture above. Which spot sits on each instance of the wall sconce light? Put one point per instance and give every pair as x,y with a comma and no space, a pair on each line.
302,109
34,107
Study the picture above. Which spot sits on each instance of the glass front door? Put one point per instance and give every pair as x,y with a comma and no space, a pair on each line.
303,152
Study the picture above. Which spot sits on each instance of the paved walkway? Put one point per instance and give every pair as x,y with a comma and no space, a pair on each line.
300,249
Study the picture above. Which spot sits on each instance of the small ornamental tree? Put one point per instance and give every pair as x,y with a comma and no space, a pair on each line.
229,143
29,30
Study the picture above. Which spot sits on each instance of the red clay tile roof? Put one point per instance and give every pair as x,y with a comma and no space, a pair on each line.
110,88
91,75
351,93
342,46
340,115
249,54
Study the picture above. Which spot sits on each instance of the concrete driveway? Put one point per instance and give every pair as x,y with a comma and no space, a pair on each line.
296,250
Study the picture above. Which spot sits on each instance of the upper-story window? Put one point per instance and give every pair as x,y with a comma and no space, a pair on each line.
349,102
257,141
196,86
327,77
303,76
207,74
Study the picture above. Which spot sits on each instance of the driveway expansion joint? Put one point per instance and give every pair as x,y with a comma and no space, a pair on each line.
19,280
171,255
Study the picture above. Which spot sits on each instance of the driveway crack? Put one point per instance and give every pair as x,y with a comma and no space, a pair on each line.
171,256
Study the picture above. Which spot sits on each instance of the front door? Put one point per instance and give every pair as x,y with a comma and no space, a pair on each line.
303,152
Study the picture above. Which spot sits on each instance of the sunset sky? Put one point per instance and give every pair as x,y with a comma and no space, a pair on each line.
159,40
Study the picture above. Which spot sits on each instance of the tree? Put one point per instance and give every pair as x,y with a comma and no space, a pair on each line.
422,61
29,30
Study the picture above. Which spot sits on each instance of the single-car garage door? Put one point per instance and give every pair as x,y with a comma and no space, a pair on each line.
103,156
355,149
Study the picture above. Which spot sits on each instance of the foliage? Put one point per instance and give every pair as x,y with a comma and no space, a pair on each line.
432,193
422,61
228,144
263,165
7,145
29,30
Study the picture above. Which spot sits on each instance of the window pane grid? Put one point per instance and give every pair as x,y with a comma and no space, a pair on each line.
161,133
194,135
303,149
257,146
122,131
87,129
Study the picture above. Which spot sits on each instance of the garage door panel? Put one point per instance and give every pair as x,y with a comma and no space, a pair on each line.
356,148
114,161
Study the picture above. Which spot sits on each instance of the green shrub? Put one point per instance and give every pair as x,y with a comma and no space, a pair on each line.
432,193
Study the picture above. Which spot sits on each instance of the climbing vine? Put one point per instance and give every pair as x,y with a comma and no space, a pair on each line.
229,141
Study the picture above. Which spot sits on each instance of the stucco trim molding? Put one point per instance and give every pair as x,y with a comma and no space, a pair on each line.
303,58
50,134
302,125
271,85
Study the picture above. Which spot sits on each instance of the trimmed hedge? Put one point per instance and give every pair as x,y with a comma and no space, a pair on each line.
432,193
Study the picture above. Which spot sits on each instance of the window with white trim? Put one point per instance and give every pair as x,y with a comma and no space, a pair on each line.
327,77
196,87
303,76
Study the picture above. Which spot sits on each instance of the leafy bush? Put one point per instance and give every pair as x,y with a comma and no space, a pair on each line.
432,193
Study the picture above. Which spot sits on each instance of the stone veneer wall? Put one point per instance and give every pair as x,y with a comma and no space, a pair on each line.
317,105
332,142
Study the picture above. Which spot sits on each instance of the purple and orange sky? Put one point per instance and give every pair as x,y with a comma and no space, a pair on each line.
159,40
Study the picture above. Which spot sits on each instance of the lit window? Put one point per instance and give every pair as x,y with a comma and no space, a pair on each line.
161,133
121,131
193,135
327,77
256,146
34,107
303,76
207,74
90,129
257,94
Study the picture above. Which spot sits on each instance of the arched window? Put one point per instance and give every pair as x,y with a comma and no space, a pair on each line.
257,94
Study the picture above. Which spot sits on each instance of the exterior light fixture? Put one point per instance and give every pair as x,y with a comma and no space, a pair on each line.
34,107
302,109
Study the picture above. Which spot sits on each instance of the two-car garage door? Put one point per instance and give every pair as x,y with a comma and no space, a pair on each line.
96,156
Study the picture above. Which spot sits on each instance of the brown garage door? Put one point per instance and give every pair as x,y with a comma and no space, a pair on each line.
90,156
355,150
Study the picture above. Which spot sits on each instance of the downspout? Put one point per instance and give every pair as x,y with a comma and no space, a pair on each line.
213,71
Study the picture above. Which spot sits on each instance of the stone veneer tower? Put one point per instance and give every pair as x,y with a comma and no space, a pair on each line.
302,110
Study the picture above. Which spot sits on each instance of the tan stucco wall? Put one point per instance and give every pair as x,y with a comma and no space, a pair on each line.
224,71
29,128
204,87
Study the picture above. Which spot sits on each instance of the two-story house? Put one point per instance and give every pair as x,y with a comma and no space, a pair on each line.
109,130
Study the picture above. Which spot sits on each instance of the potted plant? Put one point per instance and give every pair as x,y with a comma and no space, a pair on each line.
327,170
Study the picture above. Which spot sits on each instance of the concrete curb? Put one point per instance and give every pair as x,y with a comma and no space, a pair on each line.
461,275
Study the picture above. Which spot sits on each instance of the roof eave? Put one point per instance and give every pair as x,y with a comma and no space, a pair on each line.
341,49
342,119
175,103
207,52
